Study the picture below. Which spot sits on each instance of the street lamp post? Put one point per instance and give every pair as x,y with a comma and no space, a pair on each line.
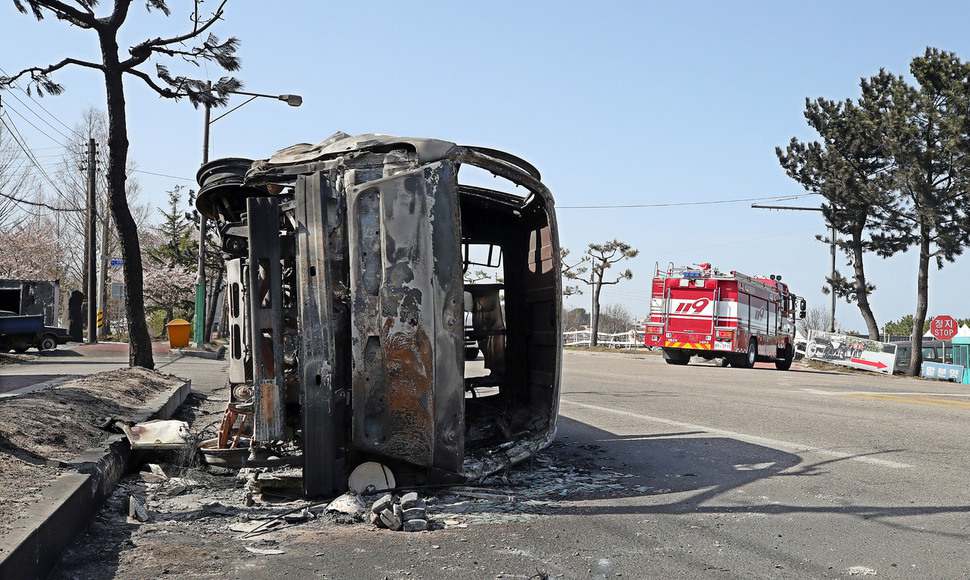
199,318
832,243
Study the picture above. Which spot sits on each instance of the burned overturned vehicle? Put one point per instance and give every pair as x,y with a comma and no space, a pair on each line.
347,307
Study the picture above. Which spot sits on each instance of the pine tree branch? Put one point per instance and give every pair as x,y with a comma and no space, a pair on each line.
142,51
60,10
37,73
162,91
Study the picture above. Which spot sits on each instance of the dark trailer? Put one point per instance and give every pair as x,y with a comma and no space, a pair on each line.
345,265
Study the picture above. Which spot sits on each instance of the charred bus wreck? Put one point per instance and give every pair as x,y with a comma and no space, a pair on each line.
347,308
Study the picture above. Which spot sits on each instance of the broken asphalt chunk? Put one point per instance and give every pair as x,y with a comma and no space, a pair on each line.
390,520
418,513
409,500
416,525
382,503
137,512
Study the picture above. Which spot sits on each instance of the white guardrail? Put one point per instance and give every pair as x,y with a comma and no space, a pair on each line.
629,339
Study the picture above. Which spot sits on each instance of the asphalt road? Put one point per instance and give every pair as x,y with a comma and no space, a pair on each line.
745,473
799,473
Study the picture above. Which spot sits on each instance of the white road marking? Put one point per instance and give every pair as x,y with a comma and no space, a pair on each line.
755,439
913,393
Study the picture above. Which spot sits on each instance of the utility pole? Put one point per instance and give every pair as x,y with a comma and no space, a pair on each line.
92,238
200,328
103,283
832,243
199,318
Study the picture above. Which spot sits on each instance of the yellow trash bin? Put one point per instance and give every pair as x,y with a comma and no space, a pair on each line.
178,333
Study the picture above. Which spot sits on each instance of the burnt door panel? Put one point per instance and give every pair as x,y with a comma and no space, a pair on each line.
408,388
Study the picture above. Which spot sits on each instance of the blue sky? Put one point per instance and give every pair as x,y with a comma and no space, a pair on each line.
614,102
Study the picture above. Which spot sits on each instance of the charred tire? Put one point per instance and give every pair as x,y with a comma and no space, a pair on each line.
784,363
471,352
674,356
47,343
747,360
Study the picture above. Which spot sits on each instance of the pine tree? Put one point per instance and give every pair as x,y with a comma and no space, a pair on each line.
849,168
925,130
177,247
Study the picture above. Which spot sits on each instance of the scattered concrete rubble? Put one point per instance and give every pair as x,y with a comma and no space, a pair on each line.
253,508
193,505
407,512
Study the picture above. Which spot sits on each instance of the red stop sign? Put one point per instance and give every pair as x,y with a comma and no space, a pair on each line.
943,327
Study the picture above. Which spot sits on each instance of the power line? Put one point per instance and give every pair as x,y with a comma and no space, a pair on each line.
22,142
39,117
52,115
39,130
161,174
15,133
683,203
37,203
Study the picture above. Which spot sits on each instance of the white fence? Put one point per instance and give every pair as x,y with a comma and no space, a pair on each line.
629,339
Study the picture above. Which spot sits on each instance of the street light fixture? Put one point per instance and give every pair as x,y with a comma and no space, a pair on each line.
199,319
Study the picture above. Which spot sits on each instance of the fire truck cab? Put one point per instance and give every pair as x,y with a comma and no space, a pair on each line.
701,311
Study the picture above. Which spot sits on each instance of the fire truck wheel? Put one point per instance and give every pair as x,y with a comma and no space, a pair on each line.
676,356
725,362
747,360
784,362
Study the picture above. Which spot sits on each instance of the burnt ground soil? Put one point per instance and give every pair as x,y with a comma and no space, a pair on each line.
199,521
42,431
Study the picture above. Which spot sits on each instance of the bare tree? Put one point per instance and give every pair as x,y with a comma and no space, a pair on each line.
592,270
574,318
193,47
616,318
567,268
93,125
473,276
816,318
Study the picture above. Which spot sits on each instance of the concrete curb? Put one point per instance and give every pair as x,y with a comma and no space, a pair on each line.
33,548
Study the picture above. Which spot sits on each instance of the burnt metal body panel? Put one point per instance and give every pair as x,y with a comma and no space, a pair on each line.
316,338
406,282
265,298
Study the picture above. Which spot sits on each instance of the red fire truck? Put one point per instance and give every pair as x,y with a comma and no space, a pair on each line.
700,311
